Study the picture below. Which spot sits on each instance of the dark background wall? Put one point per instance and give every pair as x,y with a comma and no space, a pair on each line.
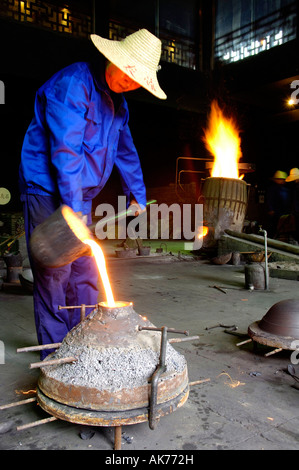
253,90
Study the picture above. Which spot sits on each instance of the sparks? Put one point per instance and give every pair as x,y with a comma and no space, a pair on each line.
232,383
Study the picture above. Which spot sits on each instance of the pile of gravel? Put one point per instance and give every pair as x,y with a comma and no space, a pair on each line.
114,368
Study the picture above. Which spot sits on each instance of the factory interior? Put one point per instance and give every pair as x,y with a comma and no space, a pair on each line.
199,350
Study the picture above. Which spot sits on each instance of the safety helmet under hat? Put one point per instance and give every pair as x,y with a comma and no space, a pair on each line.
137,55
294,175
281,175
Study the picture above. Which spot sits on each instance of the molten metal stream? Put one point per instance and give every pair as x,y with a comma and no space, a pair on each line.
82,232
100,260
203,231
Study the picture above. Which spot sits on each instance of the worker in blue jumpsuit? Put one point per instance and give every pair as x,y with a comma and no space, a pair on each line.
78,133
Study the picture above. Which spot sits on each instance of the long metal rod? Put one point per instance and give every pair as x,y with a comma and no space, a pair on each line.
120,215
53,362
182,340
197,382
170,330
36,423
17,403
39,347
273,352
60,307
266,262
117,437
244,342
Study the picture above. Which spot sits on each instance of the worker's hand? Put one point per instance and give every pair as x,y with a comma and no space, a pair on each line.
135,208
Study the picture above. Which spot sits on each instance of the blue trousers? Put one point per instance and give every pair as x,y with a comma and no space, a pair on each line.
71,285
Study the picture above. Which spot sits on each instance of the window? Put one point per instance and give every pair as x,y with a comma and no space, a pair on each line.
247,27
173,21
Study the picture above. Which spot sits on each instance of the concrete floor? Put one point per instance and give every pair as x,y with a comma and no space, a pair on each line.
250,402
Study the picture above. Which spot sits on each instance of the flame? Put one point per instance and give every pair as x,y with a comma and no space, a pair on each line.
223,142
82,232
203,231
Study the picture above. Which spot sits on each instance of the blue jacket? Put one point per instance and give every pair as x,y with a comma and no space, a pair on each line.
75,139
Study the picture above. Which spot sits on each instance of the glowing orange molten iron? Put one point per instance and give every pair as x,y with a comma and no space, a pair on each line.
81,232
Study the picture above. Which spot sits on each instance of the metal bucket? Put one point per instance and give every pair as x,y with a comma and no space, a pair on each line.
255,276
14,263
54,244
224,205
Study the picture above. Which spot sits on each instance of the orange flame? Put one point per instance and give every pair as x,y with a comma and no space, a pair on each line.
82,232
223,142
203,231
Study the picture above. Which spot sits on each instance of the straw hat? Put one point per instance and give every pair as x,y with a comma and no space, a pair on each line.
294,175
281,175
137,55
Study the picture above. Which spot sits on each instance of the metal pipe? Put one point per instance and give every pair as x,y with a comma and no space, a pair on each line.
181,340
60,307
266,259
117,438
273,352
294,249
36,423
170,330
39,347
244,342
17,403
197,382
53,362
120,215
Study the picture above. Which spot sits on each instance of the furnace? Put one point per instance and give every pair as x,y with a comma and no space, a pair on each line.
109,382
224,193
224,205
